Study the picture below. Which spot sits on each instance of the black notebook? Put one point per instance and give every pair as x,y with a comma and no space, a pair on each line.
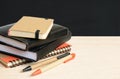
35,53
29,43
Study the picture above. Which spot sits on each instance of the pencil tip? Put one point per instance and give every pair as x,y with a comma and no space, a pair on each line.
28,68
36,72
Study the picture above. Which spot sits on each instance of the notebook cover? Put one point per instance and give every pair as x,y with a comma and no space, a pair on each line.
35,26
56,32
41,51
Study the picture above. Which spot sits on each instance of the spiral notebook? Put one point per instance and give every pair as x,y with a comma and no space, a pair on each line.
63,48
12,61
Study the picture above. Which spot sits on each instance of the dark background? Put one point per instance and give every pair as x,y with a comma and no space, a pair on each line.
83,17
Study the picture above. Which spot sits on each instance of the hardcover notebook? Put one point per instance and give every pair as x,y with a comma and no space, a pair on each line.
31,27
25,44
12,61
36,53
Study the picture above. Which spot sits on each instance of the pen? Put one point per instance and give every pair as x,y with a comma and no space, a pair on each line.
34,66
53,64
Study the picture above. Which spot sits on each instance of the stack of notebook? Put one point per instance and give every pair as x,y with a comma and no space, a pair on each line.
20,43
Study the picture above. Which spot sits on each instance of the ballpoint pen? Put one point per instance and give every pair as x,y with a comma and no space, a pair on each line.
38,64
53,64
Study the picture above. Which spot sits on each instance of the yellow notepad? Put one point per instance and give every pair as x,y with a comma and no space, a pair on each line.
31,27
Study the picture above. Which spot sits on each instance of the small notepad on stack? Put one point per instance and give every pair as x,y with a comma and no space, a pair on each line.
31,27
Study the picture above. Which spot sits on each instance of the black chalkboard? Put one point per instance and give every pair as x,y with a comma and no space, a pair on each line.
83,17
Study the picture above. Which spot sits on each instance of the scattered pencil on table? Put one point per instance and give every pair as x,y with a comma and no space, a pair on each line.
53,64
34,66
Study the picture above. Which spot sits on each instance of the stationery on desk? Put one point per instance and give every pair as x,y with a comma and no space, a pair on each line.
33,39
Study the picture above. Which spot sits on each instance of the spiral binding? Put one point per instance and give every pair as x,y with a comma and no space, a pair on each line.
58,51
17,62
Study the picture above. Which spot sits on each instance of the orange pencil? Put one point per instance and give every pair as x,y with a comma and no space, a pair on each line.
54,64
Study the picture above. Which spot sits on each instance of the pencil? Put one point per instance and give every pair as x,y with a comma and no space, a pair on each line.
53,64
34,66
